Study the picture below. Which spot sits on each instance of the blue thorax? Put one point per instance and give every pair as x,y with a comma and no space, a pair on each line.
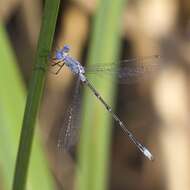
60,54
73,64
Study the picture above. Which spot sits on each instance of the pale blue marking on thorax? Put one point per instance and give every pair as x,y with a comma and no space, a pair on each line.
72,64
75,67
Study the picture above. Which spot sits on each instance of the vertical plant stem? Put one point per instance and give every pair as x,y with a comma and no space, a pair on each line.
96,130
35,92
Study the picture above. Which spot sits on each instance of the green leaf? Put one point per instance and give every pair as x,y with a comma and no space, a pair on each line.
96,124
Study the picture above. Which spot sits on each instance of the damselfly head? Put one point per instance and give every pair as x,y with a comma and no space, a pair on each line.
66,48
62,53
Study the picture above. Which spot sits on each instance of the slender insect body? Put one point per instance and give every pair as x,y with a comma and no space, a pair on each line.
77,69
142,148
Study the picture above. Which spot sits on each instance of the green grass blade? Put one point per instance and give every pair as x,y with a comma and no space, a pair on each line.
35,92
12,99
96,125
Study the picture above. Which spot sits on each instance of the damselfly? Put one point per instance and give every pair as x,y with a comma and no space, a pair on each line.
128,72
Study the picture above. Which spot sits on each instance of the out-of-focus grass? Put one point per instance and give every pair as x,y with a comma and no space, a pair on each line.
12,99
96,124
35,92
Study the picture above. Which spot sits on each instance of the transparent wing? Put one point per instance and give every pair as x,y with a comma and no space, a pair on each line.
69,132
128,71
109,66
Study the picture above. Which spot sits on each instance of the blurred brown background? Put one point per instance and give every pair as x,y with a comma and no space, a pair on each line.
157,111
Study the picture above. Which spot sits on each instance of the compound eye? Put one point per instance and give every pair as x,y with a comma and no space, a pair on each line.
66,48
59,55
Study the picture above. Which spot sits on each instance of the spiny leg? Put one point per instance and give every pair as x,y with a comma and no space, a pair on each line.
54,62
57,63
60,67
141,147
